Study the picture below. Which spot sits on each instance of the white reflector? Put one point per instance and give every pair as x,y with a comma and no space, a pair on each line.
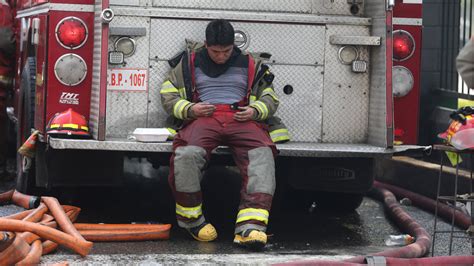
402,80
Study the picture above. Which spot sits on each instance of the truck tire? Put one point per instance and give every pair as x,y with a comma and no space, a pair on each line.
26,179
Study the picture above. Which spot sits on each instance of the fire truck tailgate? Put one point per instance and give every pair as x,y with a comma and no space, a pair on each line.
291,149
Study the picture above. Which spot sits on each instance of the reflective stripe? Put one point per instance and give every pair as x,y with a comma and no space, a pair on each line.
66,126
280,135
271,92
253,98
172,131
170,90
262,109
182,92
179,108
252,214
168,87
189,212
71,126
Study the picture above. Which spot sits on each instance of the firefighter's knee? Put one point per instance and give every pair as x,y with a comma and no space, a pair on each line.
188,164
261,171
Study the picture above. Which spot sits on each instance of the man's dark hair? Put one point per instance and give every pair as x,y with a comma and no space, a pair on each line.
219,32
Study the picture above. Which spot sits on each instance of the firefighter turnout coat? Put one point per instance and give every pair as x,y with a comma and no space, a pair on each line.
178,94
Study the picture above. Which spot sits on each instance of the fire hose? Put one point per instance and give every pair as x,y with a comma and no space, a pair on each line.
41,230
407,255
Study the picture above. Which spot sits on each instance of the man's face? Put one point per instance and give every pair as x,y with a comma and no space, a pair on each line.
220,54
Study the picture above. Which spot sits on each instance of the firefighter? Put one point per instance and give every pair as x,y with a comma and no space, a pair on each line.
218,95
465,63
7,53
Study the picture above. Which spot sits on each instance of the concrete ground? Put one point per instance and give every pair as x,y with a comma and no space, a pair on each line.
296,232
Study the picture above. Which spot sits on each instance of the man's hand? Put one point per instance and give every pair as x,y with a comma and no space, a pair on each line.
202,109
247,113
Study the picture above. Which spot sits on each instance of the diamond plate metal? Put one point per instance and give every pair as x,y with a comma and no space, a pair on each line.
296,149
140,58
156,113
279,17
379,134
326,7
169,36
334,7
96,66
346,94
300,6
301,110
280,40
128,110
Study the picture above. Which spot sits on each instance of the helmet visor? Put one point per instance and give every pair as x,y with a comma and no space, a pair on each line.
463,139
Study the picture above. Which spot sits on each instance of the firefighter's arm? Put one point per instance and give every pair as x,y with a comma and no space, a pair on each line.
465,63
171,99
266,103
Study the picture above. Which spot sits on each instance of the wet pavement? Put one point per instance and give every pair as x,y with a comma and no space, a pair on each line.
297,232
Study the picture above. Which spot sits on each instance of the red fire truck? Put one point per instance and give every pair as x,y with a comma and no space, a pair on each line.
407,29
105,60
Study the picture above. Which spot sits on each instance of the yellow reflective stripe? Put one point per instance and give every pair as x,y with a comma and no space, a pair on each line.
247,218
253,214
166,84
170,90
281,138
249,210
253,98
280,135
172,131
279,132
71,126
189,212
84,128
191,216
54,126
179,108
168,87
271,92
262,108
182,92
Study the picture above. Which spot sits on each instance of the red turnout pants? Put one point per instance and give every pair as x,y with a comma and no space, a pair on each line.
253,152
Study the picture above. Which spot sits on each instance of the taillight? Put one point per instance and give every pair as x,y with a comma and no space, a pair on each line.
403,45
71,32
403,81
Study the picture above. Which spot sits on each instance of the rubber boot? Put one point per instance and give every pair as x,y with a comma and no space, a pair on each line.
252,239
204,232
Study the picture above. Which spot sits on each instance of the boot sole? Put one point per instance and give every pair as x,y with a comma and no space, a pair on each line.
251,244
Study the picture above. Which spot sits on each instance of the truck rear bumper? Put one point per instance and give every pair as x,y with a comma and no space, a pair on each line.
291,149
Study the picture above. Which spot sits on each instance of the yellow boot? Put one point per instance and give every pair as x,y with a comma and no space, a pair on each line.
205,232
252,239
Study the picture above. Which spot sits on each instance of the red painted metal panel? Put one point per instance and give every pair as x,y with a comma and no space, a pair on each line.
75,2
41,60
407,107
402,10
56,89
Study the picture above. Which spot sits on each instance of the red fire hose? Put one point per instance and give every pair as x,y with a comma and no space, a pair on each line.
460,219
407,224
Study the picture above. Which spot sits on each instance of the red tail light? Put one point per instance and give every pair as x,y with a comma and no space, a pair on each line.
403,45
71,32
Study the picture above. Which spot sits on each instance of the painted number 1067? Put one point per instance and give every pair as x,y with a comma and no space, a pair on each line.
118,79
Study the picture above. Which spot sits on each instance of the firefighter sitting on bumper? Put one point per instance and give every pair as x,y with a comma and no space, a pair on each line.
217,95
